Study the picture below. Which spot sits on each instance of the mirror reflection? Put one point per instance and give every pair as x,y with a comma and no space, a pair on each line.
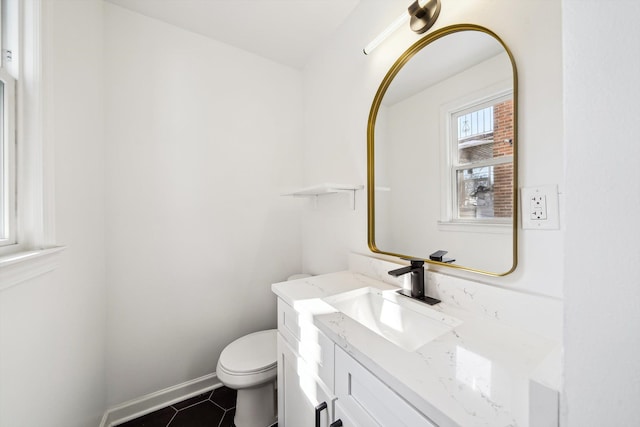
442,152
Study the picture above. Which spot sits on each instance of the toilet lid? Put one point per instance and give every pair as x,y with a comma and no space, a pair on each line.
255,352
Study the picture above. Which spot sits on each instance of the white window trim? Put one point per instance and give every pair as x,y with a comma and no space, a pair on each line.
477,226
447,221
26,265
8,137
36,252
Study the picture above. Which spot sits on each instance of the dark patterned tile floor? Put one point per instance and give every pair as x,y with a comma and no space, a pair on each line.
214,408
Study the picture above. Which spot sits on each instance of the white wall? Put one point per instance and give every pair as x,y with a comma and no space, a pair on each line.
201,140
602,286
52,328
175,294
340,83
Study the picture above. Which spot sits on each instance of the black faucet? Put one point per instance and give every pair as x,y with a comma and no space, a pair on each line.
417,281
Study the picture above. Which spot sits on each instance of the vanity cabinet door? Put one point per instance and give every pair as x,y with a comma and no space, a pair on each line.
348,421
300,392
368,401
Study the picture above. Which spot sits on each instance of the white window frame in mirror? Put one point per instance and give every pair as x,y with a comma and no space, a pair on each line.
448,193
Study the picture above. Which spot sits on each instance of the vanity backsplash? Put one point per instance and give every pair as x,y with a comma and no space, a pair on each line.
536,314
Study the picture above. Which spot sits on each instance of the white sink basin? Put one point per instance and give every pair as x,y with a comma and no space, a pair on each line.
394,317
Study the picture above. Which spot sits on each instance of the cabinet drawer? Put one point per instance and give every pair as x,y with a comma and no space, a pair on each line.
307,341
288,322
363,396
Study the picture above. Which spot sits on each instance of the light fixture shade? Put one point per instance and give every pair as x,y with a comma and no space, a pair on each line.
397,23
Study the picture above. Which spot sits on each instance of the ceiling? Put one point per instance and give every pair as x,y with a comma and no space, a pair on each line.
286,31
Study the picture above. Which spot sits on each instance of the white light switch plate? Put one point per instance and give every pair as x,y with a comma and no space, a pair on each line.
539,207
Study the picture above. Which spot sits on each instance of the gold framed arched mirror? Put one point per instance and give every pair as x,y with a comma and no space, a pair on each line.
442,153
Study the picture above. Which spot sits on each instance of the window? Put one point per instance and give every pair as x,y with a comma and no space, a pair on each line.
7,158
27,240
7,161
481,162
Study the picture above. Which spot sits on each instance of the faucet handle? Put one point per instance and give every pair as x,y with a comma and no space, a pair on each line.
439,256
415,262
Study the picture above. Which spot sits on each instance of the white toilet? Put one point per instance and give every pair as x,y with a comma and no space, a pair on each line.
249,366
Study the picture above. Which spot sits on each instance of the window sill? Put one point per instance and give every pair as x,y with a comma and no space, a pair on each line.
19,267
476,227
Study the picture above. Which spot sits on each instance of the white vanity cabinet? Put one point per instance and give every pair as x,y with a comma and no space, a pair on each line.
300,394
363,400
305,371
320,385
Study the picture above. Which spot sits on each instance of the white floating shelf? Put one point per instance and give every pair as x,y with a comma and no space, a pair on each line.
319,190
324,189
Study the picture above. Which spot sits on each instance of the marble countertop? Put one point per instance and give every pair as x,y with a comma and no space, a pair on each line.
475,375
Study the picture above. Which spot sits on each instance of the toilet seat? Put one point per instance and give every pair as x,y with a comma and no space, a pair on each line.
249,361
250,354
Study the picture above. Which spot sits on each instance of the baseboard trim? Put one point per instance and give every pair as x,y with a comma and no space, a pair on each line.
152,402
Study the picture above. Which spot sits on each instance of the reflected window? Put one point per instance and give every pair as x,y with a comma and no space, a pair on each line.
481,153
